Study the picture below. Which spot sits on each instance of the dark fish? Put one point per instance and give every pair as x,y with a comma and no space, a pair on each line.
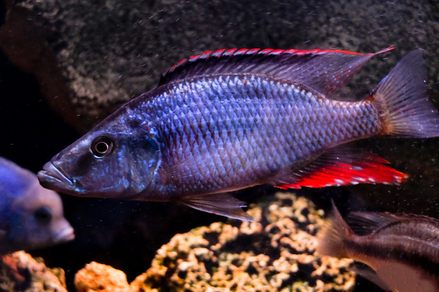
228,120
30,215
403,250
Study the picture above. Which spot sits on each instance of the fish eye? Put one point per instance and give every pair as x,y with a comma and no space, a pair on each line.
43,214
101,146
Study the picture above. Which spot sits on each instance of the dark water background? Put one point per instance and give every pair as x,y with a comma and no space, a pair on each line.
127,234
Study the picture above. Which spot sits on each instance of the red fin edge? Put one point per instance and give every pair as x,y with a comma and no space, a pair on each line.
236,52
372,170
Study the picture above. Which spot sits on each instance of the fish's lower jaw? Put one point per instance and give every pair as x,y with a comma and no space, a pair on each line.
53,178
66,235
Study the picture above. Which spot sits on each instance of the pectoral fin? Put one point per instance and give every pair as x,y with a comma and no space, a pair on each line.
220,204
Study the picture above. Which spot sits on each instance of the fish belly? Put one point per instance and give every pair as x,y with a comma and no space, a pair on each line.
223,133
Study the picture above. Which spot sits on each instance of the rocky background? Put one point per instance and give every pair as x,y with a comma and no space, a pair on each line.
275,252
65,65
92,56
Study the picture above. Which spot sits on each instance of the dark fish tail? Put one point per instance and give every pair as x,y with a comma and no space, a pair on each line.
402,100
331,240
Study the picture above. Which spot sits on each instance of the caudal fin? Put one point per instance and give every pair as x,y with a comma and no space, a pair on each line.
330,240
402,97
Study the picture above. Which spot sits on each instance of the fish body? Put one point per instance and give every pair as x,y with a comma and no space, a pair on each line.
403,250
227,120
30,216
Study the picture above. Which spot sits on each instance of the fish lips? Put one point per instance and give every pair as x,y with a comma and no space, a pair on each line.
66,235
53,178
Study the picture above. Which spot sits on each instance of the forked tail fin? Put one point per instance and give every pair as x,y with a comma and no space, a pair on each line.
402,99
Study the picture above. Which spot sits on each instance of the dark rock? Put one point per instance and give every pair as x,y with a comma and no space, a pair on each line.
96,55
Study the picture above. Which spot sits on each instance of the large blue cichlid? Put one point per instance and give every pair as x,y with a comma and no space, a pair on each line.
227,120
31,216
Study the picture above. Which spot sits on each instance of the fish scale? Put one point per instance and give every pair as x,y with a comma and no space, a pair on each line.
233,123
231,119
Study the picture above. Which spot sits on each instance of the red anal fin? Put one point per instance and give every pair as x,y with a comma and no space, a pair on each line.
338,171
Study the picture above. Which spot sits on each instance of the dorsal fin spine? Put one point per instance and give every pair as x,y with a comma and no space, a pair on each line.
206,54
253,51
240,52
218,53
265,51
277,52
236,52
229,52
307,67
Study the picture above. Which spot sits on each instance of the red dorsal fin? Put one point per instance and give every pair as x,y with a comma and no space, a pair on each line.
322,70
337,169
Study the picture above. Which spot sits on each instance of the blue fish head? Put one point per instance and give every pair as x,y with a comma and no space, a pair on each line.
111,161
30,215
35,220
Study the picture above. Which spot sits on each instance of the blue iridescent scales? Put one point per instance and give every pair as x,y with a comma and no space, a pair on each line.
227,120
227,125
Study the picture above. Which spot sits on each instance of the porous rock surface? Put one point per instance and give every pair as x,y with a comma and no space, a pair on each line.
99,277
273,253
91,56
20,272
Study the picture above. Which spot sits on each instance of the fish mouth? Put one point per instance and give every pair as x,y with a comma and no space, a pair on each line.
66,235
53,178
